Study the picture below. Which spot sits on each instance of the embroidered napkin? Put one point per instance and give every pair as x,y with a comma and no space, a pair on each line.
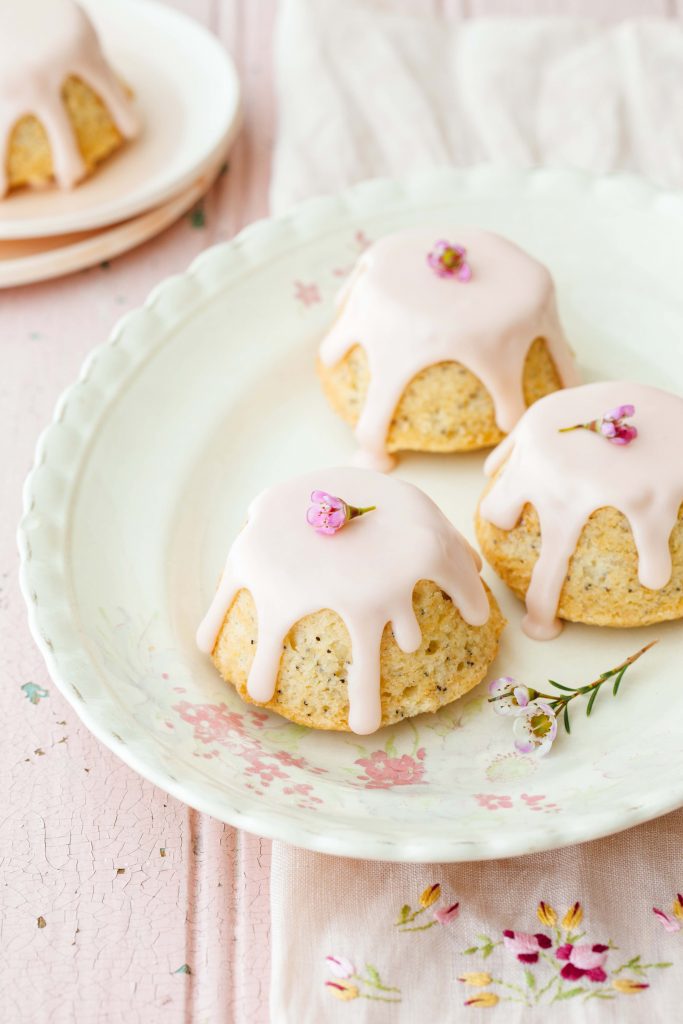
568,936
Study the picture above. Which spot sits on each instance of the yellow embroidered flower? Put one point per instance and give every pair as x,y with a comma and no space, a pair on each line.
478,979
629,986
546,914
678,907
573,917
430,895
483,999
342,990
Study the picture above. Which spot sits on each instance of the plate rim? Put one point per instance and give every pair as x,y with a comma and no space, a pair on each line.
137,335
121,208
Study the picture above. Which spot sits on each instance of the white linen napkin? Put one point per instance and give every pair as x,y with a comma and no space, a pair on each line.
363,91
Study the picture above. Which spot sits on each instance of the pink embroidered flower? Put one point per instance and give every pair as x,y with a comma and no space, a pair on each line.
447,914
611,425
670,923
526,947
583,960
535,728
328,514
507,697
384,772
448,260
340,966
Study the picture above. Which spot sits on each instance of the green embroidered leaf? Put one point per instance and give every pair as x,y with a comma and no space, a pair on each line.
470,950
570,993
373,974
665,964
404,914
530,979
487,950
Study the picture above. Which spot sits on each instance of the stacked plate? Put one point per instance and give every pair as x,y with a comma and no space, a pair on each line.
187,90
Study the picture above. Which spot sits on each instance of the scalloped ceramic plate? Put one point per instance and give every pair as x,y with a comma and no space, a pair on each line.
207,395
189,122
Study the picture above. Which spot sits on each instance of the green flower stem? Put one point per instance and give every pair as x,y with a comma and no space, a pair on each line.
375,984
378,999
419,927
355,512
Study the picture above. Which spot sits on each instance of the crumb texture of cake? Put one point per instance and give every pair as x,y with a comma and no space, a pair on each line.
419,361
383,620
584,529
62,108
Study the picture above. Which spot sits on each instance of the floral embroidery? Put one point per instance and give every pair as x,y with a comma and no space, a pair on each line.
307,294
672,922
34,693
381,771
427,899
349,984
557,966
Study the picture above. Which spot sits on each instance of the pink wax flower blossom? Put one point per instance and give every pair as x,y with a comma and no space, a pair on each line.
340,966
588,961
535,729
526,947
328,514
508,697
447,913
448,260
611,425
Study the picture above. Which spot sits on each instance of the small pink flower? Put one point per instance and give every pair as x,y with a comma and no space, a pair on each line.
535,729
611,425
526,947
587,961
328,514
508,697
668,921
340,966
384,772
448,260
447,914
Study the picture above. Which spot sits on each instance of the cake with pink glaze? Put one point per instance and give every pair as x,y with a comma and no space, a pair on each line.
440,345
349,601
583,517
62,108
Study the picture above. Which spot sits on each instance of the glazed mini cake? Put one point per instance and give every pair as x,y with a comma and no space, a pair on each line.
584,525
381,620
441,347
62,109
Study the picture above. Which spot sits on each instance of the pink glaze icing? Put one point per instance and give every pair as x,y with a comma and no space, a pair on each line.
567,477
42,43
406,317
366,573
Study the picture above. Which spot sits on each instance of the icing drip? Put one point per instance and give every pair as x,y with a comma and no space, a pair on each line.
567,477
366,573
42,43
407,318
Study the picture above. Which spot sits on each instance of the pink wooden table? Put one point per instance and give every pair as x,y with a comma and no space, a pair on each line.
116,902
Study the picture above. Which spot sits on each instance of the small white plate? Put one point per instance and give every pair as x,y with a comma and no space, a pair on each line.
207,395
188,93
38,259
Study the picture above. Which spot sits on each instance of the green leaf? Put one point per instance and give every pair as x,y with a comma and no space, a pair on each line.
373,974
559,686
530,979
570,993
404,914
617,681
591,702
566,718
470,950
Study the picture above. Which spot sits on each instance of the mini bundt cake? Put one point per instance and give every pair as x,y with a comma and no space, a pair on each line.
583,516
62,108
350,619
441,347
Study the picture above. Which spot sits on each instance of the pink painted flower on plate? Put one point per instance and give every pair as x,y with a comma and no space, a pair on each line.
384,772
516,697
583,961
535,729
526,947
213,723
449,260
447,913
340,966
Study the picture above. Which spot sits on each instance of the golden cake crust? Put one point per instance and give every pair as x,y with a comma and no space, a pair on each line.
601,587
29,160
444,408
311,687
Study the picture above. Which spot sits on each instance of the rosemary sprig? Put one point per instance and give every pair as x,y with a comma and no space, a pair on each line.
559,702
